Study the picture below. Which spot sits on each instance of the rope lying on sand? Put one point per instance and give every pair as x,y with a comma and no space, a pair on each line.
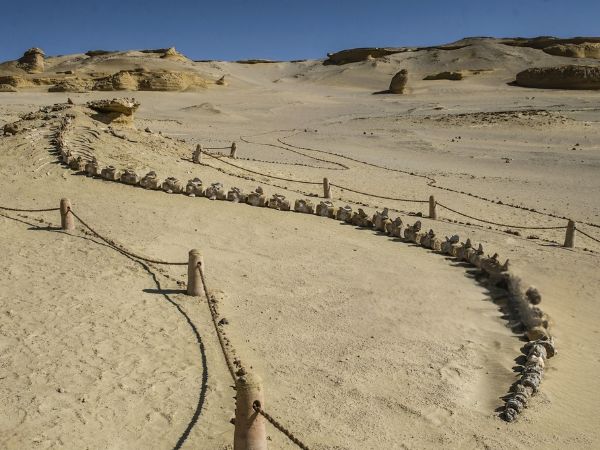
120,248
500,224
587,235
28,210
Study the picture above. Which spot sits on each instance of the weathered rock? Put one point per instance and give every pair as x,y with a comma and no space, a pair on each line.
562,77
8,88
358,54
584,50
194,188
130,177
32,60
398,82
454,76
151,181
279,202
221,81
14,81
173,54
110,173
304,206
215,192
325,209
71,85
172,186
118,110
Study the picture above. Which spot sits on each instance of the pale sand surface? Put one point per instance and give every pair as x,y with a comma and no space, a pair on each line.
361,341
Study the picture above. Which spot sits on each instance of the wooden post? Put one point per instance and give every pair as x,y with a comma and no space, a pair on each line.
570,236
432,205
197,157
250,433
233,150
67,220
195,265
326,188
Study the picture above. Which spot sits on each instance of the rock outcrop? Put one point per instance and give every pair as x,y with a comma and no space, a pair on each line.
117,110
173,54
8,88
454,76
562,77
132,80
585,50
359,54
32,61
398,82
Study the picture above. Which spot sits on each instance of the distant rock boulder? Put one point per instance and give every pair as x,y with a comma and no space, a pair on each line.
32,61
173,54
454,76
561,77
585,50
13,81
8,88
117,110
398,82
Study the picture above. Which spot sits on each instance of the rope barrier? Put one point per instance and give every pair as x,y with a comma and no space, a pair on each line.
432,182
500,224
28,210
341,166
214,316
380,196
256,406
259,173
116,246
587,235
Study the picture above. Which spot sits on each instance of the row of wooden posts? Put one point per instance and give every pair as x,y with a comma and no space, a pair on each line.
569,237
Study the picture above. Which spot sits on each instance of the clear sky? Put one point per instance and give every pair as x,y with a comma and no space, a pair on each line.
278,29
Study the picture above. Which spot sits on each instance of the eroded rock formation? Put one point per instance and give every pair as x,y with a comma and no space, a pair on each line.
32,61
118,110
561,77
398,82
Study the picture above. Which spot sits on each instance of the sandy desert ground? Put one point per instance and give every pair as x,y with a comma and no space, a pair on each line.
362,341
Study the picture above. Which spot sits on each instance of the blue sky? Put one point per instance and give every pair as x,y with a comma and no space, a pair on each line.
282,29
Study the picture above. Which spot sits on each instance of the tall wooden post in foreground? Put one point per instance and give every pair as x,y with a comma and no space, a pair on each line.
432,205
326,188
570,236
195,286
67,221
250,433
